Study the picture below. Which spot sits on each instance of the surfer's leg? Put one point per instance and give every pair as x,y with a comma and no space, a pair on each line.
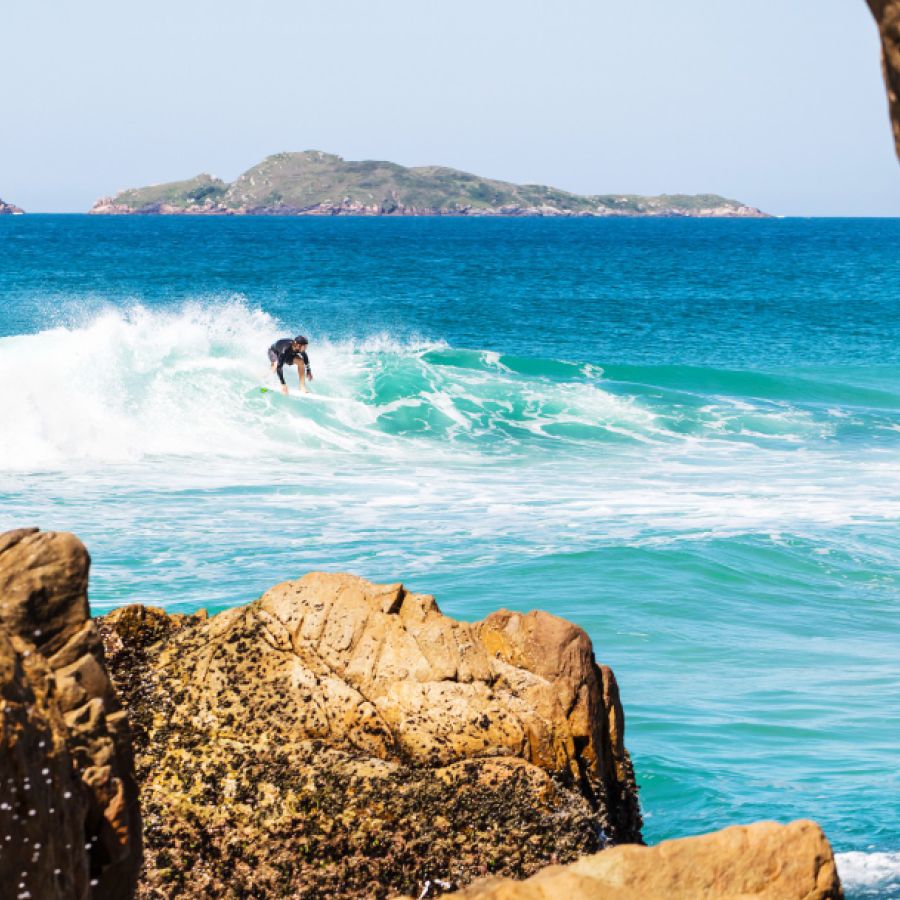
301,374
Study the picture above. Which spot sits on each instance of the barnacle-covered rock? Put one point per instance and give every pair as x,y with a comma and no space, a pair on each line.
341,738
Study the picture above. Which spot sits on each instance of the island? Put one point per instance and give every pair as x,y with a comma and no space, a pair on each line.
9,209
313,183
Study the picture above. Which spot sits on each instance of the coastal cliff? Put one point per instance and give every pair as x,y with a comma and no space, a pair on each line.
334,738
887,15
313,183
8,209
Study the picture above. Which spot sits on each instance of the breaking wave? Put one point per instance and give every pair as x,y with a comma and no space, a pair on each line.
136,383
869,875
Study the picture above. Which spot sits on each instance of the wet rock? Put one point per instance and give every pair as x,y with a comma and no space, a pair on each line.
765,861
339,738
69,818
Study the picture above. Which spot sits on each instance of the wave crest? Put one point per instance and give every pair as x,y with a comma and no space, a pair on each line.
133,383
137,382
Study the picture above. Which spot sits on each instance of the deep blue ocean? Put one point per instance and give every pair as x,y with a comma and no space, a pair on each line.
682,435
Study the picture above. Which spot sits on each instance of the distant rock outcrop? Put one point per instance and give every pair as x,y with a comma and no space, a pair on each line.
887,15
313,183
7,209
764,861
339,738
69,816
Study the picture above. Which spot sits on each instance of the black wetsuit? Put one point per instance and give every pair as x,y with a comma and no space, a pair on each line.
282,353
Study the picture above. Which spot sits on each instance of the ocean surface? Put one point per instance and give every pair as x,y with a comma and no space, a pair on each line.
682,435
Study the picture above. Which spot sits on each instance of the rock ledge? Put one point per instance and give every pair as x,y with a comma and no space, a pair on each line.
765,861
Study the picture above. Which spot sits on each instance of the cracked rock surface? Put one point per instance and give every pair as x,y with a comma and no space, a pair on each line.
340,738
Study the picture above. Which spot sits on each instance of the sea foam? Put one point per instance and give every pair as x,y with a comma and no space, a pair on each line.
135,383
869,875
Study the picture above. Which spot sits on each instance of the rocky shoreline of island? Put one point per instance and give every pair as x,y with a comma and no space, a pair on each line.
333,738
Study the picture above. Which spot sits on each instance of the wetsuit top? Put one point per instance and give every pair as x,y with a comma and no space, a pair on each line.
282,353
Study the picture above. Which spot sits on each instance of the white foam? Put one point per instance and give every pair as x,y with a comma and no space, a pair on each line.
136,383
875,874
177,388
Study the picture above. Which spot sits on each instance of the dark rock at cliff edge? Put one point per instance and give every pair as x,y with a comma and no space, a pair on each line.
69,819
887,15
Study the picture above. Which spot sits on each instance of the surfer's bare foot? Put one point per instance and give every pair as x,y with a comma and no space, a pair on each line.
284,389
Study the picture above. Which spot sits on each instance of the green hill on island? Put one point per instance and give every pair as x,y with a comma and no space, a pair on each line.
316,183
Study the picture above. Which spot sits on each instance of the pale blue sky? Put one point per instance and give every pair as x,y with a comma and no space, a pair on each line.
777,102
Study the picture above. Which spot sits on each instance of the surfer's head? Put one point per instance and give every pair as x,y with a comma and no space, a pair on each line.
301,341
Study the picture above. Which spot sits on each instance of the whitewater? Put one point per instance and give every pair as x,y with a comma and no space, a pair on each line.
685,438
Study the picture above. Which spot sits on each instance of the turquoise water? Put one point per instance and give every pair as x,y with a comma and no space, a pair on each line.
684,436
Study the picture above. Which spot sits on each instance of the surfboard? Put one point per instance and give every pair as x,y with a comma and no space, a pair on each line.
299,395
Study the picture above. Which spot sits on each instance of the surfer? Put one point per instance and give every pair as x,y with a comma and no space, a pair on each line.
289,352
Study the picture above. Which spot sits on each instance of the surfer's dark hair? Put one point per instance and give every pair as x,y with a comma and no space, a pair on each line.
300,339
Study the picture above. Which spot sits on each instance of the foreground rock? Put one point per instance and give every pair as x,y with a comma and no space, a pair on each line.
7,209
69,818
765,861
333,739
887,15
338,738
